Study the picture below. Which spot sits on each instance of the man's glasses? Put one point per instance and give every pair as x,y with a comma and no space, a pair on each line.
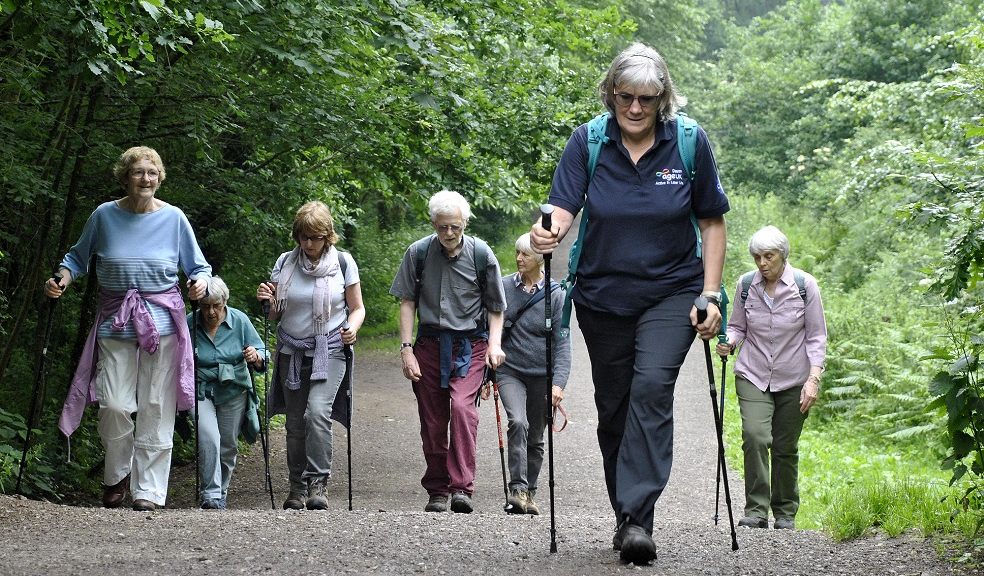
449,228
624,99
150,174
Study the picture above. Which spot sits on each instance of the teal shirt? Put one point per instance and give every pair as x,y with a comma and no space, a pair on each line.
221,371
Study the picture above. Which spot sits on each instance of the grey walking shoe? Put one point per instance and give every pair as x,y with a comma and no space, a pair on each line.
754,522
295,501
784,524
461,503
531,508
437,503
317,500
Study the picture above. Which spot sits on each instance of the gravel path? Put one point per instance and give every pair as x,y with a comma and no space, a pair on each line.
388,533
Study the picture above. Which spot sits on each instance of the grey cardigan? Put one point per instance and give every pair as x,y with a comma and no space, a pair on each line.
526,346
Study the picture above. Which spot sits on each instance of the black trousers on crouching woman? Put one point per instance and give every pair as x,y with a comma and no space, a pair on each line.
635,361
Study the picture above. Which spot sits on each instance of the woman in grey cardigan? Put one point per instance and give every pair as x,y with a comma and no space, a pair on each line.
523,377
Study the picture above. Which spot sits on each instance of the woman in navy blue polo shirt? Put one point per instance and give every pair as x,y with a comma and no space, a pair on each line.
638,275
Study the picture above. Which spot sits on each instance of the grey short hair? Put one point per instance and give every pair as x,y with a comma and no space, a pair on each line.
641,67
523,245
217,291
447,203
769,238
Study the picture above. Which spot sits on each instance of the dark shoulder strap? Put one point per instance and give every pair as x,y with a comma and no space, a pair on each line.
343,265
800,284
419,258
533,300
746,284
481,263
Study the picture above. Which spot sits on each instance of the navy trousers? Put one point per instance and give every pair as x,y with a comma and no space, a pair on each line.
635,361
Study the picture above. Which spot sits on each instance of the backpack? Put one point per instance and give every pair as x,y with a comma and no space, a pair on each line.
746,284
597,138
481,254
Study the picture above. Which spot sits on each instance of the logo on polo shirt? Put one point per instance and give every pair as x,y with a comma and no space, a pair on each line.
669,176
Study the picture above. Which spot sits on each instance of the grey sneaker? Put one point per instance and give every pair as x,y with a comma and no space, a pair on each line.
295,501
784,524
437,503
517,501
317,500
461,503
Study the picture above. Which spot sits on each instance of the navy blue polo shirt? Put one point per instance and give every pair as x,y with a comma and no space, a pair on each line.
640,245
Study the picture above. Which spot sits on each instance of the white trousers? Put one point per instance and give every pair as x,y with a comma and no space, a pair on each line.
130,381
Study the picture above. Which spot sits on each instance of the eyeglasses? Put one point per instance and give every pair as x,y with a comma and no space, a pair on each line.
449,228
316,239
150,174
624,99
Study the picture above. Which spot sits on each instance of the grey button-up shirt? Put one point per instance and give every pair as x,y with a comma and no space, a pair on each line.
450,298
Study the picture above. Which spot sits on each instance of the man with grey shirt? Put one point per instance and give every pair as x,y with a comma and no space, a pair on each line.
443,281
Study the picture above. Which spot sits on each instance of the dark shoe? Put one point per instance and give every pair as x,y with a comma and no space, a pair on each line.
784,524
516,502
295,501
635,544
437,503
317,500
617,540
141,505
754,522
213,504
113,495
461,503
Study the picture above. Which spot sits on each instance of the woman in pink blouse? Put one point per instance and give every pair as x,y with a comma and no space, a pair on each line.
778,323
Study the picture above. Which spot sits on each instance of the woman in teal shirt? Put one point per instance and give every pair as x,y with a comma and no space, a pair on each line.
227,403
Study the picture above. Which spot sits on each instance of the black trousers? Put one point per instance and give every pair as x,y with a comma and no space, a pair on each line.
635,361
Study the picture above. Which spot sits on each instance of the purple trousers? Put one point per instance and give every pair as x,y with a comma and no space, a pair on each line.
448,419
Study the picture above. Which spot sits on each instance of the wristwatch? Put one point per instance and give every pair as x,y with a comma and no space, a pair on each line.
713,299
406,345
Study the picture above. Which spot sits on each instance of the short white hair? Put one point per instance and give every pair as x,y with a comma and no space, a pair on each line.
448,203
523,245
217,291
769,238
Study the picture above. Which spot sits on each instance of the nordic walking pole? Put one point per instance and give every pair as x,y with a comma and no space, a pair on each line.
349,367
701,304
38,379
490,377
722,339
546,214
265,306
194,348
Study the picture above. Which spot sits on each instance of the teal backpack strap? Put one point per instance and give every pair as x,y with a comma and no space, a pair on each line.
597,138
687,145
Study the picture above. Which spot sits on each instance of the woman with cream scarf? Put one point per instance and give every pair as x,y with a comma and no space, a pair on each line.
317,299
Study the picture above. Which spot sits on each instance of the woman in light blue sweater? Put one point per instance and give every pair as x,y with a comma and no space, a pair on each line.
138,357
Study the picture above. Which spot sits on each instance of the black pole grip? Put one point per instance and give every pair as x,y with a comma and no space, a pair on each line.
546,216
265,306
701,304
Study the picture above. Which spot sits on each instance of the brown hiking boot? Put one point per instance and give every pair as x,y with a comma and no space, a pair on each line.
317,500
113,495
